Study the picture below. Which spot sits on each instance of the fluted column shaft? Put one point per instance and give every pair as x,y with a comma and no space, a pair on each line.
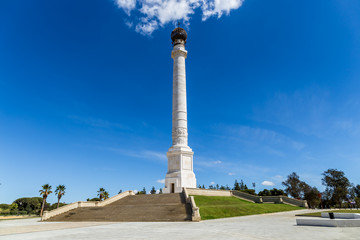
179,114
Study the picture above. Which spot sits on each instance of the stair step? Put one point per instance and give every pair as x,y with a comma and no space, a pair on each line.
159,207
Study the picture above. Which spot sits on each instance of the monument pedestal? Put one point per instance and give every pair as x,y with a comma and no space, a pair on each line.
180,170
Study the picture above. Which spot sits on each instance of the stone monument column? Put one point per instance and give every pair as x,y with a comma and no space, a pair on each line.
180,156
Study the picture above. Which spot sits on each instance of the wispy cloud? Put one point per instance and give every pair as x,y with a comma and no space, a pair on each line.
96,122
267,183
231,174
160,181
149,15
267,141
144,154
217,162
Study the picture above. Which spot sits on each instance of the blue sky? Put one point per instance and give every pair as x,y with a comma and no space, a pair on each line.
86,86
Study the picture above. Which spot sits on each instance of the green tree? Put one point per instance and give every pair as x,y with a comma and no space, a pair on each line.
14,209
30,205
101,193
236,186
141,192
106,195
44,192
336,185
242,185
264,192
93,199
271,192
311,195
356,191
13,206
249,191
4,206
153,190
160,191
293,185
55,206
60,191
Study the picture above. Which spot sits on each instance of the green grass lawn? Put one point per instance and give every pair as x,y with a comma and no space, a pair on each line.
318,214
223,207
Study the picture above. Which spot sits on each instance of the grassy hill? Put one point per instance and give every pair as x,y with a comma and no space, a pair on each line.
222,207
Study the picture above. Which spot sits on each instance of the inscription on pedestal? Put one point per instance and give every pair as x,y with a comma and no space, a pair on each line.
186,162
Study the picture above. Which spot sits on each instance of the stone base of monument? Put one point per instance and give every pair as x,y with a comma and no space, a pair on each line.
340,220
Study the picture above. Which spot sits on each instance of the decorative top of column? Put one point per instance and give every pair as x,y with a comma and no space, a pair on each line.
178,36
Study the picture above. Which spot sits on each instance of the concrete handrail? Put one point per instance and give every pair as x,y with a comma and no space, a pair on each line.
60,210
195,210
208,192
69,207
246,196
272,199
115,198
195,216
296,202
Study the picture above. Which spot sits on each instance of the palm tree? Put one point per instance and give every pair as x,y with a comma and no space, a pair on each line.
60,191
101,193
106,195
45,191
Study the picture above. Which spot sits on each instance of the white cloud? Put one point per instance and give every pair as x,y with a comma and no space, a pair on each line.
219,7
231,174
217,162
126,5
278,177
160,181
149,15
267,183
212,183
140,154
129,23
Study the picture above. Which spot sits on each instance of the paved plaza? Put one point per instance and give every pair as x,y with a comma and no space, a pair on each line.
267,226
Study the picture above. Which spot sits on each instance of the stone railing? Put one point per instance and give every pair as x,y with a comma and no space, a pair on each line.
69,207
292,201
272,199
208,192
194,209
247,197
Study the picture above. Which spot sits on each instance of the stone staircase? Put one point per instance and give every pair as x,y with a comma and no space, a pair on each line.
133,208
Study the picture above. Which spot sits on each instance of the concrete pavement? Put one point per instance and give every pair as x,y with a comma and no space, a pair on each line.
267,226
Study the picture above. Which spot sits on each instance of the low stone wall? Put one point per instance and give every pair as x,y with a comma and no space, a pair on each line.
247,197
295,202
208,192
272,199
69,207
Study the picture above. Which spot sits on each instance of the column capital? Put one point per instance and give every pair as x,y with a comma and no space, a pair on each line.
177,52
